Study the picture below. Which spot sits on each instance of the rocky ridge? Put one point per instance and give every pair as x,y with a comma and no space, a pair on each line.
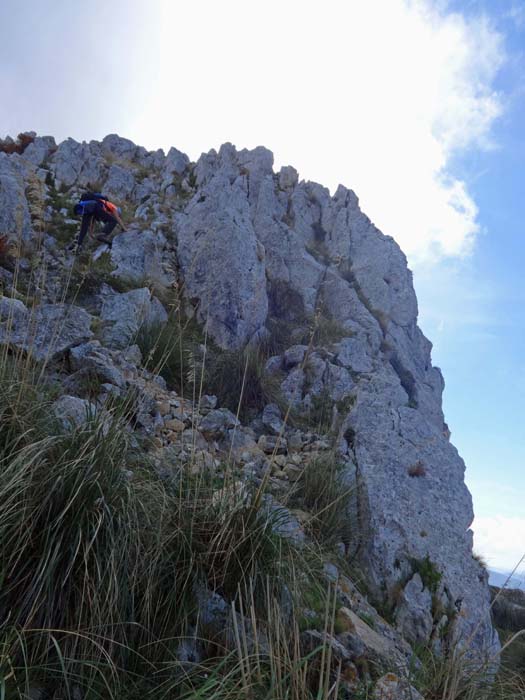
252,255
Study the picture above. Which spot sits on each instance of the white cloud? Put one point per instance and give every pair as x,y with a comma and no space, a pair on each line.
501,540
379,95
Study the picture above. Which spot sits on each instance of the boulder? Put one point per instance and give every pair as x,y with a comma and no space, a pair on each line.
126,313
46,331
73,412
137,255
98,361
15,220
217,423
40,149
120,183
78,164
272,419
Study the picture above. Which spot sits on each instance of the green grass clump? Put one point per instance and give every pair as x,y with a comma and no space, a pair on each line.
324,492
100,556
171,350
430,574
239,380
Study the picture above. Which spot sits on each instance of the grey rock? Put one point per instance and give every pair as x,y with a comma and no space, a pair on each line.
15,220
292,387
78,164
338,382
120,183
40,150
207,402
283,522
392,687
294,356
271,444
313,639
189,651
217,423
215,234
414,612
127,313
117,146
252,244
288,177
175,164
98,360
138,256
272,419
73,412
352,353
214,611
47,331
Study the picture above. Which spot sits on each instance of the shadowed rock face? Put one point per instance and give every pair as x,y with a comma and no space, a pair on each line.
249,246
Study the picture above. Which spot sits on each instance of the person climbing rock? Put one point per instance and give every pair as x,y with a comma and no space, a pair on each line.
93,207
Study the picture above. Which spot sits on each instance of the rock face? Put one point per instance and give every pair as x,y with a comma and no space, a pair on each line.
254,252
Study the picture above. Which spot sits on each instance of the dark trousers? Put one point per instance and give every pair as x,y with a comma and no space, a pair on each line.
95,212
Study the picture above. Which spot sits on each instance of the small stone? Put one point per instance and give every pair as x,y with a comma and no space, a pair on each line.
163,407
344,620
271,443
293,472
302,516
272,419
208,402
175,425
280,460
295,441
391,687
294,355
217,423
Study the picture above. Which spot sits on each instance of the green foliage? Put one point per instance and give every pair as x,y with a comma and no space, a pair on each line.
88,275
85,509
323,491
239,380
320,414
171,350
430,574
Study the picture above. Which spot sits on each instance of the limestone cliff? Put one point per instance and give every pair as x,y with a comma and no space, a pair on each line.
250,248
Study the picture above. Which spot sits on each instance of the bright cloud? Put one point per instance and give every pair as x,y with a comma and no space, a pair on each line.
501,540
379,95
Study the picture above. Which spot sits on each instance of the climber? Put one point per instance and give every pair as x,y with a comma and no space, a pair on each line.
94,206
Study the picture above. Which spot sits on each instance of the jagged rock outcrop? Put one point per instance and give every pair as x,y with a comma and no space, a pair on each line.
252,250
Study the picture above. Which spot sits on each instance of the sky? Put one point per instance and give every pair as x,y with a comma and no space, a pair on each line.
417,105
